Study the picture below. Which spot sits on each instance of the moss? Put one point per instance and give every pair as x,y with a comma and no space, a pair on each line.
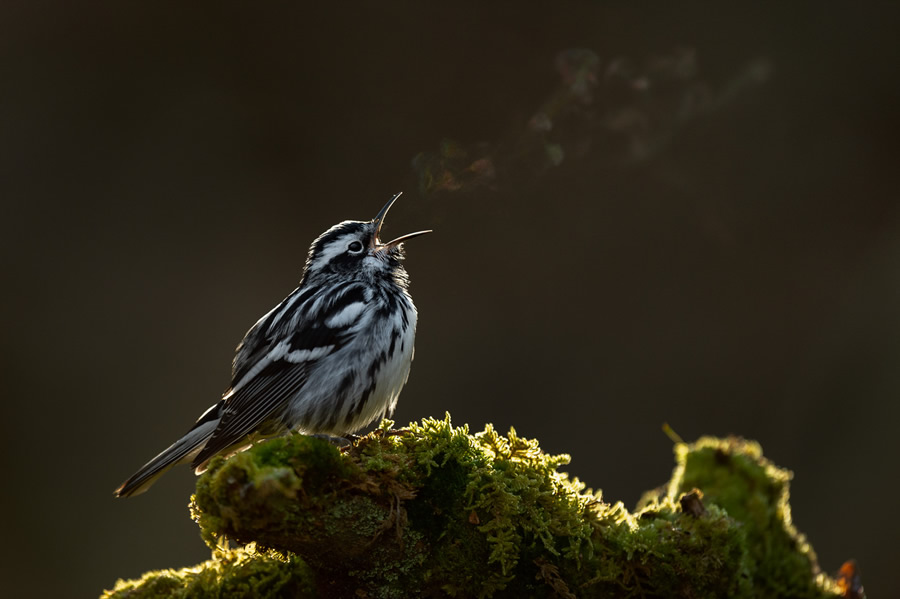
242,572
735,476
433,510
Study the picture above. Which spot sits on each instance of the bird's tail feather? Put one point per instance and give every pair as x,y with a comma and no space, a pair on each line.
182,450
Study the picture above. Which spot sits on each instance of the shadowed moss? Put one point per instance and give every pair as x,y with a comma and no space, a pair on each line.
435,511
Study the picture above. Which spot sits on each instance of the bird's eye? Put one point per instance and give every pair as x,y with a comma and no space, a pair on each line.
355,246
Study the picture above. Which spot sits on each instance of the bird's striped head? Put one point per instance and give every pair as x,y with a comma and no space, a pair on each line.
353,249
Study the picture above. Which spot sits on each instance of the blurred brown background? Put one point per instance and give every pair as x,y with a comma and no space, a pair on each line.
164,168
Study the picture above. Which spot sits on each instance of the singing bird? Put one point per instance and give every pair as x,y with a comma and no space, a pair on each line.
329,359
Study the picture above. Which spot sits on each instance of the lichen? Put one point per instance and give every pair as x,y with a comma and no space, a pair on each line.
433,510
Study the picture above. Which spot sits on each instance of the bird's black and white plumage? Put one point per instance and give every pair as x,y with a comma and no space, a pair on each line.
330,358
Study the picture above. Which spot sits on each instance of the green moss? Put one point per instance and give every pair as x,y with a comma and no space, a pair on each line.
735,476
436,511
241,572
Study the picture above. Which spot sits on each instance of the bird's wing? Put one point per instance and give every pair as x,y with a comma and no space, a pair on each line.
278,374
245,410
258,341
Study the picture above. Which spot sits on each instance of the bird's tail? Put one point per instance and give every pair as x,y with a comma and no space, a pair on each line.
181,451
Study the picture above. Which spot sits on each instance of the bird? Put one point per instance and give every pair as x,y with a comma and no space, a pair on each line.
328,360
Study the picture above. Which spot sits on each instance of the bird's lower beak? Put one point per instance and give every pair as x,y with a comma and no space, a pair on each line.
401,239
379,221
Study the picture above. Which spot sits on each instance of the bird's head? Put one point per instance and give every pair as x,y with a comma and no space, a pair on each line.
354,249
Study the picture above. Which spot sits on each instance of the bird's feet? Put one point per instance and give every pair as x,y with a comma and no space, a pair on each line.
393,432
336,440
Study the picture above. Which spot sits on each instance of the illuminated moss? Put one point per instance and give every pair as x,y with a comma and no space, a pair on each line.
240,572
435,511
735,476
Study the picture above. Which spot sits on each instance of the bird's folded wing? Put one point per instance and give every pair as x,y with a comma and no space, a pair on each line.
248,407
278,375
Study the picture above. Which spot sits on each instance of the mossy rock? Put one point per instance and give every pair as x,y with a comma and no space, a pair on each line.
434,511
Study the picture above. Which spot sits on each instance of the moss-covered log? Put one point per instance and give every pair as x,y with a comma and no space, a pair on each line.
435,511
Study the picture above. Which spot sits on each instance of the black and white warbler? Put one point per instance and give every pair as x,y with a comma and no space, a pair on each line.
329,359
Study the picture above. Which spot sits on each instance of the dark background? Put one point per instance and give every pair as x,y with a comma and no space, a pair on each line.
164,168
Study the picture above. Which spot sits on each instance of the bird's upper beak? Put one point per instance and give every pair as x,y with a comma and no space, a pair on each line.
376,244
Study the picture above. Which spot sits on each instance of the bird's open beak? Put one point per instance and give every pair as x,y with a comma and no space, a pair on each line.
379,221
